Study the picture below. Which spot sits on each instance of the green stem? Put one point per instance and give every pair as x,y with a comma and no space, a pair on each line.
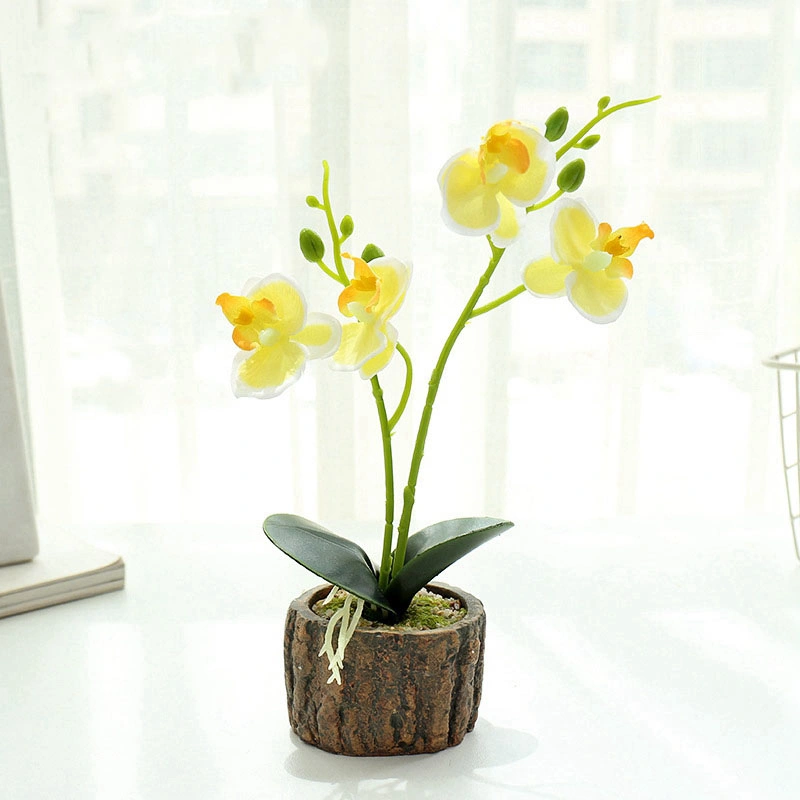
401,406
388,470
601,115
328,271
337,245
500,300
424,424
553,197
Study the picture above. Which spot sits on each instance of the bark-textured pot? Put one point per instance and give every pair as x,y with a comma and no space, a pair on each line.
402,692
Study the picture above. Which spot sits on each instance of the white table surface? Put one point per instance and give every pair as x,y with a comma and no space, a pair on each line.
644,660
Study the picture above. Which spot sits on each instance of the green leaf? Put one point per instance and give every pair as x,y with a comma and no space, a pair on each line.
435,548
371,252
588,142
556,124
335,559
311,245
571,177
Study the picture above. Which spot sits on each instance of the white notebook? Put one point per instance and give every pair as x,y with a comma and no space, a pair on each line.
69,570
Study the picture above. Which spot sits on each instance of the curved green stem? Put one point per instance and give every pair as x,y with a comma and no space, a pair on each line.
601,115
500,300
388,470
424,424
553,197
328,271
401,406
326,206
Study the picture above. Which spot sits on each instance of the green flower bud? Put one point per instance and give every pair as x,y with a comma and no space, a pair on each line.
588,142
571,177
602,103
311,245
556,124
371,252
312,202
346,226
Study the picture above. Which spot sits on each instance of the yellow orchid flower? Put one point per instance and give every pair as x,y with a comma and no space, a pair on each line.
588,263
374,295
276,334
487,190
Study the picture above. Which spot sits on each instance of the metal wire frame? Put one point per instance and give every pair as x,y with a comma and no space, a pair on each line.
787,364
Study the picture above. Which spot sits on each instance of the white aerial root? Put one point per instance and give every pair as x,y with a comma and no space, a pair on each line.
347,624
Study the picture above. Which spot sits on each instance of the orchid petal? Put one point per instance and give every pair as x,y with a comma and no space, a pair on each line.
545,278
380,361
511,219
362,290
524,188
572,230
321,335
623,241
469,205
285,297
268,371
245,337
596,296
619,268
359,343
394,277
235,308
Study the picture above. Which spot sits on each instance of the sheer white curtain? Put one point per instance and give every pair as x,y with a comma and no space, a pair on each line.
160,152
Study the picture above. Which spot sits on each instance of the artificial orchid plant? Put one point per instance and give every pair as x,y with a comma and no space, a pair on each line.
488,191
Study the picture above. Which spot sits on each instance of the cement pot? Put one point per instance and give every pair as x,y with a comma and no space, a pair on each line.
402,692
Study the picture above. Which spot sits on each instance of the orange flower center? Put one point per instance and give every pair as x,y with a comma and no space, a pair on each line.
501,146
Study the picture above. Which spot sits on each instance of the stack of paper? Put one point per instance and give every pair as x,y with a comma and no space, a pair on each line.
68,571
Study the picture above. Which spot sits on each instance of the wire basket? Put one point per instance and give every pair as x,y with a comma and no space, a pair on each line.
787,369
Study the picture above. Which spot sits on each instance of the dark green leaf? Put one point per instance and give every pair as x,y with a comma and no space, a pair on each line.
371,252
556,124
571,177
335,559
311,245
435,548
